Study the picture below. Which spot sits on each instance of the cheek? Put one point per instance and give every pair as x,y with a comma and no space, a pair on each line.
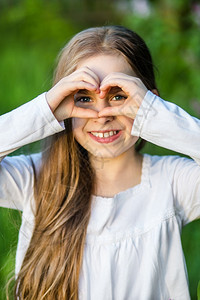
77,126
127,123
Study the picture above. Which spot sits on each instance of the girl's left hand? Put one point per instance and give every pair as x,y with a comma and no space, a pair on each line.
131,86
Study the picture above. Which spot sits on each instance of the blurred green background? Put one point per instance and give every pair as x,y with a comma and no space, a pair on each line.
33,32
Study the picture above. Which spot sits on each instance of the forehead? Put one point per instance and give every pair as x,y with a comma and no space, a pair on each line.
102,65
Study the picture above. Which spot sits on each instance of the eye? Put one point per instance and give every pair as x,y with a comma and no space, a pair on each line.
83,99
119,97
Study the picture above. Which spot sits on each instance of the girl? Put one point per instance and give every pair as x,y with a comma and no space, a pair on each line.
100,220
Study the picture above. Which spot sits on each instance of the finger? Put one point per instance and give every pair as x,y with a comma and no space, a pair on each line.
92,73
72,87
86,78
124,109
123,83
104,89
115,75
103,93
79,112
87,75
114,79
111,111
62,90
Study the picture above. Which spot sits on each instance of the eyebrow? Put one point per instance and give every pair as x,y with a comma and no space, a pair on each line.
113,90
83,92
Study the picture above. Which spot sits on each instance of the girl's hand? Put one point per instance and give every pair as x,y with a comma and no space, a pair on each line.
131,86
61,96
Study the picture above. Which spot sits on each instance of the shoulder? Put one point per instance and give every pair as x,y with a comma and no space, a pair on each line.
171,165
20,170
17,174
22,161
169,160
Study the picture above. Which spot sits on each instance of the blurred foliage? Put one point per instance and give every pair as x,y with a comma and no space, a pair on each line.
32,33
198,291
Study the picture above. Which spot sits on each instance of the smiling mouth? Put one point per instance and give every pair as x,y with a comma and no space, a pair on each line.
105,136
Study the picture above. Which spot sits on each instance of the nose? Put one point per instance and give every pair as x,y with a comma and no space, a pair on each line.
104,120
102,103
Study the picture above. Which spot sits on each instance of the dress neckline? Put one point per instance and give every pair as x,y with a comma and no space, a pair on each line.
145,182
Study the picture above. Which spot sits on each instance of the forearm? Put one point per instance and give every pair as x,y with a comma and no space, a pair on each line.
167,125
28,123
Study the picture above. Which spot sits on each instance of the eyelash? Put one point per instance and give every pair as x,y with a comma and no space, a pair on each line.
88,98
80,98
121,96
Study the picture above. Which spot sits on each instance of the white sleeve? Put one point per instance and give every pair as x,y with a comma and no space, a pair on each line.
184,175
17,180
30,122
167,125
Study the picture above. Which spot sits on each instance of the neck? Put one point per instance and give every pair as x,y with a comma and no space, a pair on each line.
116,174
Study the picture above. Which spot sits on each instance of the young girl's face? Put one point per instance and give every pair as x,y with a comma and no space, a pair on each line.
106,137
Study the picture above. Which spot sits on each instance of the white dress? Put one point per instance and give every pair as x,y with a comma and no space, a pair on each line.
133,247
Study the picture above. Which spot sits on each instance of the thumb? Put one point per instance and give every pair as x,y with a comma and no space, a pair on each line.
79,112
111,111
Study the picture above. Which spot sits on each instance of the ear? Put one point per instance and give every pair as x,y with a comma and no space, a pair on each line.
155,91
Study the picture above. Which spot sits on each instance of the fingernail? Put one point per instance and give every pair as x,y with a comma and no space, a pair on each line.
101,95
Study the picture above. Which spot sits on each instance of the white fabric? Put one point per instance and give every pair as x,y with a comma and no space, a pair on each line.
133,247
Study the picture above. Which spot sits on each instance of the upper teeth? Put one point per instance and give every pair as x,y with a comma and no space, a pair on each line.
104,134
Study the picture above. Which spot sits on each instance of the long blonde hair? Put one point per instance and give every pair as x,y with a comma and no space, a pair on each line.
64,186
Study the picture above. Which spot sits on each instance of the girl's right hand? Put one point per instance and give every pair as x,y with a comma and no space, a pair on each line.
61,96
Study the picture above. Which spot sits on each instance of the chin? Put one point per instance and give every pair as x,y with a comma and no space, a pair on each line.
107,153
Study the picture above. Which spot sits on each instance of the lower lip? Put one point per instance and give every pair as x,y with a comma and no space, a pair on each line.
105,140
